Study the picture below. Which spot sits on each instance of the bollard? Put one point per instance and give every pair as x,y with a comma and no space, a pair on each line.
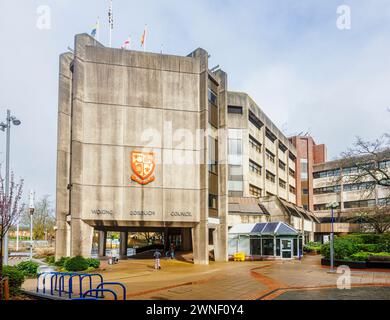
6,288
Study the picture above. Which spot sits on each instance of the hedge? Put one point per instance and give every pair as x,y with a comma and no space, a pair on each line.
16,278
28,268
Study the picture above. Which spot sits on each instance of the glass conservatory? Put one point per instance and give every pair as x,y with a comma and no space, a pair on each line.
270,240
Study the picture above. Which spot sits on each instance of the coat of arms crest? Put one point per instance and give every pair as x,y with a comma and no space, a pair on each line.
143,165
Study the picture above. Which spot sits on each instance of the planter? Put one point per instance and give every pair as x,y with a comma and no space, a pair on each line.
351,264
378,264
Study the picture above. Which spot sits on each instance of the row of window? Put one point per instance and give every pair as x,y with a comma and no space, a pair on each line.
346,187
355,204
350,170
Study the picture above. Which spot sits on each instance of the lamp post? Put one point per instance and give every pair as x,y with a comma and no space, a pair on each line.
31,209
332,206
7,127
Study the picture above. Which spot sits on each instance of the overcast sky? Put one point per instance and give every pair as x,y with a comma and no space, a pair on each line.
303,71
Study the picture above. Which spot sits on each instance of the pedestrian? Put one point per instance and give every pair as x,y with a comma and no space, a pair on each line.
172,250
157,255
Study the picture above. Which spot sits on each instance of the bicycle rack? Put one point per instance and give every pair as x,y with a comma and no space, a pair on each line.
57,284
101,285
100,290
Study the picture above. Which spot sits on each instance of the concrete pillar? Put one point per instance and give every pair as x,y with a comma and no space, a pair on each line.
102,243
123,245
186,239
81,241
220,243
200,243
61,239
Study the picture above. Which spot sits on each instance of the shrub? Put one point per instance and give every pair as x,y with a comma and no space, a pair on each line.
93,263
16,278
61,262
369,247
76,264
360,256
312,246
343,248
50,260
28,268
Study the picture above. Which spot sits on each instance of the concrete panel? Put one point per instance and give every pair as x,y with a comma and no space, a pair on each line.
181,205
180,91
103,124
107,160
143,127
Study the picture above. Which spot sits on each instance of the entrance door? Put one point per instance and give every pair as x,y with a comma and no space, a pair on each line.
286,248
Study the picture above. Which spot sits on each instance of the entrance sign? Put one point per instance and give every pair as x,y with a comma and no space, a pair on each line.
143,165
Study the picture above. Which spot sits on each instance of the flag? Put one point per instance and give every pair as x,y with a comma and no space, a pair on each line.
143,38
126,44
110,16
95,29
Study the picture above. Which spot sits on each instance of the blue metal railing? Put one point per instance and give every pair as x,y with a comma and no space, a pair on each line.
89,292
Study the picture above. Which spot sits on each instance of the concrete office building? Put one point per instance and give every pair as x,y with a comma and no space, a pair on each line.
333,182
261,159
308,154
128,156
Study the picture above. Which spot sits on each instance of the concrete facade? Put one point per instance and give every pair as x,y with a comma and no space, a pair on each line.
265,165
113,102
308,154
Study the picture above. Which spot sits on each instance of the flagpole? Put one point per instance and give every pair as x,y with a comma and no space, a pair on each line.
111,22
98,30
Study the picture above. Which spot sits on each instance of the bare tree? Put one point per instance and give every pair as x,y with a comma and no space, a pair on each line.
376,218
365,156
10,210
43,218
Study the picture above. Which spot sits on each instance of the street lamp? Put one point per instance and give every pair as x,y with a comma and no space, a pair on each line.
7,127
31,209
332,206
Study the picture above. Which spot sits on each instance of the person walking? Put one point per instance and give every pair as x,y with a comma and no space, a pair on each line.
172,250
157,255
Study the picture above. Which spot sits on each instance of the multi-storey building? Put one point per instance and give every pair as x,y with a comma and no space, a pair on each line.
308,154
138,150
334,182
261,159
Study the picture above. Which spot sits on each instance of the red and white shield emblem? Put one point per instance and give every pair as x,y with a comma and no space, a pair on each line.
143,165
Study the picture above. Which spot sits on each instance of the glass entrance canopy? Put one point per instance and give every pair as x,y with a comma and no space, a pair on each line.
268,240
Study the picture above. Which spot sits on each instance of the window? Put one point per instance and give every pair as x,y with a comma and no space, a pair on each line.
254,144
384,201
270,156
270,135
328,173
235,109
254,191
235,146
359,204
384,164
282,165
358,186
268,247
304,169
305,191
306,207
213,155
255,120
282,147
270,176
235,185
282,184
324,190
213,201
291,172
292,189
292,157
254,167
350,170
212,96
323,206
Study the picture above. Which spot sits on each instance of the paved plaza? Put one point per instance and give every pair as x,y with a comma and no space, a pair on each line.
293,279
